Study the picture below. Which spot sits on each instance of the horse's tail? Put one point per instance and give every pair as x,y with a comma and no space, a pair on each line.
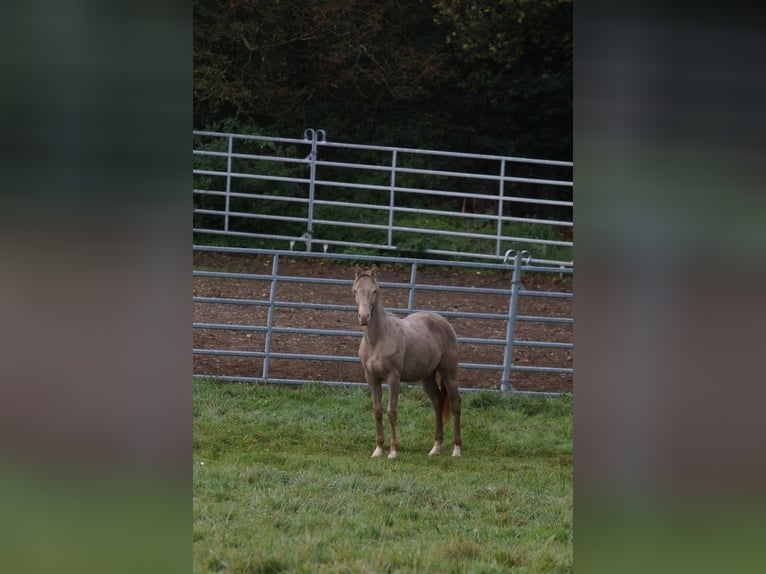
446,406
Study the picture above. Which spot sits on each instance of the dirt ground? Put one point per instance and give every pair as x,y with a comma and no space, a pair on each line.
346,320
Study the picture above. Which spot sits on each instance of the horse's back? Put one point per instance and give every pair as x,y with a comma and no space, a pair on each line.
432,325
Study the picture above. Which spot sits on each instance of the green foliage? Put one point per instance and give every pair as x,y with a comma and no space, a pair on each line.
283,482
488,77
515,61
414,241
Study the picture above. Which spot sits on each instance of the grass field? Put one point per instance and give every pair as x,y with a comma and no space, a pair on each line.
284,482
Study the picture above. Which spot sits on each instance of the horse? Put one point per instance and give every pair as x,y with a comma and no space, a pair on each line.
421,347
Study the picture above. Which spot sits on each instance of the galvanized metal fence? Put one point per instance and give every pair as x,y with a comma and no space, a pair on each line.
312,193
515,263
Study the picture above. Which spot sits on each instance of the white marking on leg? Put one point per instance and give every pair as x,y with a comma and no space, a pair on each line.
392,454
457,451
436,450
378,452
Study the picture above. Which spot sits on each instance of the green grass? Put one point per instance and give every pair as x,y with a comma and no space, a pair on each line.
284,482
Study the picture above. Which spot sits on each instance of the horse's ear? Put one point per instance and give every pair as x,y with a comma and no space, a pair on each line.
373,271
357,271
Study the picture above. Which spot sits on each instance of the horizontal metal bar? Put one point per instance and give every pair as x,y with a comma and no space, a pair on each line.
351,384
349,282
273,355
440,232
493,257
333,223
441,193
489,177
550,294
560,267
301,239
560,370
263,329
239,175
541,269
371,206
296,357
531,318
280,159
349,257
480,366
310,357
548,394
351,165
279,304
298,279
482,216
543,344
332,307
357,334
480,341
483,236
499,342
266,277
250,215
249,137
247,234
374,258
284,198
444,173
277,381
448,153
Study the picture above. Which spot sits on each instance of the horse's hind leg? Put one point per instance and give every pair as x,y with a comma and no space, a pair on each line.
437,397
449,380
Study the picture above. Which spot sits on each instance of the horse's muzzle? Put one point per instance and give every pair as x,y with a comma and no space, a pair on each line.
364,318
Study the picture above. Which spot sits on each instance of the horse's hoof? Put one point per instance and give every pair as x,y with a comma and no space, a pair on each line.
392,454
377,453
435,451
457,451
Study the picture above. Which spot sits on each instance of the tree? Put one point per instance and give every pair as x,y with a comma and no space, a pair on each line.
515,60
492,76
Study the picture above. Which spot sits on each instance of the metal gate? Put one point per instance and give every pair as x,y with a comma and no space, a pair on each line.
264,327
314,194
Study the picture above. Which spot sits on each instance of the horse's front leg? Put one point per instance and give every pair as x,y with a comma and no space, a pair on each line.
393,401
377,409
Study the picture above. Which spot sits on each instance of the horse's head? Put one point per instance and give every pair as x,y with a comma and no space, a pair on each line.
366,292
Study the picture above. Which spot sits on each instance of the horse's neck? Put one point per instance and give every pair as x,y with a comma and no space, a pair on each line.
379,323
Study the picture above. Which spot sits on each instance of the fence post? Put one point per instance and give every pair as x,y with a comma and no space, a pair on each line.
391,201
270,316
505,384
413,280
500,201
228,182
316,136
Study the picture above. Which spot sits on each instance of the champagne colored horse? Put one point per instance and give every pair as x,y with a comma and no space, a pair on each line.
422,347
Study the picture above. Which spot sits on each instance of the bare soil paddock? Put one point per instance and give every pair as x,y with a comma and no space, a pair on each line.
346,320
